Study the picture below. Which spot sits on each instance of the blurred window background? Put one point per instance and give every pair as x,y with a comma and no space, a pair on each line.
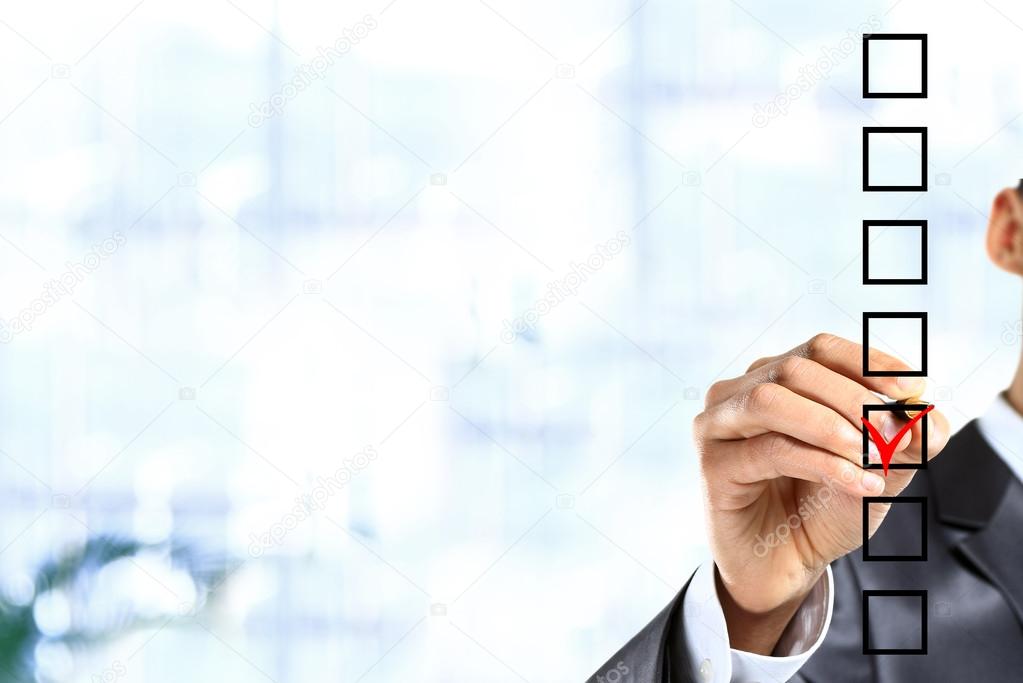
361,341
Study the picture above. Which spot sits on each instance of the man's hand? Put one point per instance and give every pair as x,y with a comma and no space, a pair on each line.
781,455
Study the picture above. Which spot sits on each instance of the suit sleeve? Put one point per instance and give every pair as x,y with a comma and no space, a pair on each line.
692,629
648,657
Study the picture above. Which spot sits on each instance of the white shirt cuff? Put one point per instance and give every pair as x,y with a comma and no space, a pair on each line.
706,634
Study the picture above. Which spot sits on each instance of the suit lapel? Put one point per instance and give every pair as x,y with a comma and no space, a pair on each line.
997,549
977,491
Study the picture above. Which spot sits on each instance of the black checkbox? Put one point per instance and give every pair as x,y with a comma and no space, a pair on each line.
886,547
908,48
898,606
896,408
895,315
892,278
920,183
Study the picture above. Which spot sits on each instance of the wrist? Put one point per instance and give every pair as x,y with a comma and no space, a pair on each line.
757,627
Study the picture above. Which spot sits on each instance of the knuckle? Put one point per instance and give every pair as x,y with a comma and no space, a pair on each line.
833,428
774,447
757,363
700,427
820,344
746,457
761,397
714,395
705,459
712,463
791,368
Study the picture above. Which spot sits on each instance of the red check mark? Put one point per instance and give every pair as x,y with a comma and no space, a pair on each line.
887,448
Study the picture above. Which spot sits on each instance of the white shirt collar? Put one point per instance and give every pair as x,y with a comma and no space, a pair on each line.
1002,427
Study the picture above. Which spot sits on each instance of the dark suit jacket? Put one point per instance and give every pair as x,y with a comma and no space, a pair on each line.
973,577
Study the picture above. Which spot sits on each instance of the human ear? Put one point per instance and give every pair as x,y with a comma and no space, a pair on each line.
1005,232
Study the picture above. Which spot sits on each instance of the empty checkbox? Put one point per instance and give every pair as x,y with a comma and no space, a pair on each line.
887,543
895,159
895,252
894,622
904,334
895,65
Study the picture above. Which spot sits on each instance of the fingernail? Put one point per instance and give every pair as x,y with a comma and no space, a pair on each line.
871,482
889,429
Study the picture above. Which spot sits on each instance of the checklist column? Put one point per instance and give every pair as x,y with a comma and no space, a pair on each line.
895,160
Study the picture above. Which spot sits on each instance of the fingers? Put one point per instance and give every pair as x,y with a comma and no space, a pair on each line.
817,383
814,396
846,358
773,455
769,407
938,433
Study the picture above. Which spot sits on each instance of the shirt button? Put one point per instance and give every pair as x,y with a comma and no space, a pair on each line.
706,670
